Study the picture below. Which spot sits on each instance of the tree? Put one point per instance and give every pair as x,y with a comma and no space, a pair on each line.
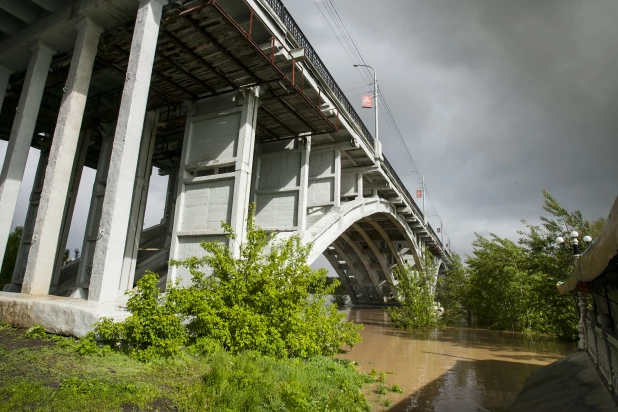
10,255
453,292
414,294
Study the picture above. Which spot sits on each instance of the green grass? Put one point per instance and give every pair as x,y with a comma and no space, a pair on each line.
40,374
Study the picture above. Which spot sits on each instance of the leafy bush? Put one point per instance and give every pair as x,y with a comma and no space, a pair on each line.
266,301
154,328
36,331
415,296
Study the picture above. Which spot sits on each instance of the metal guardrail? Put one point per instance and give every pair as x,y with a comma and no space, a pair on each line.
295,31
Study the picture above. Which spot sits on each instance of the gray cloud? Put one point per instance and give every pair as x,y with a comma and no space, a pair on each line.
497,100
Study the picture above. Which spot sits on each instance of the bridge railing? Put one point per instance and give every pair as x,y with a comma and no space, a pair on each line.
297,34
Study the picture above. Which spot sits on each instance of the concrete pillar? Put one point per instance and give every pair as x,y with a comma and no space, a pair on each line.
26,237
61,163
109,250
140,194
91,235
244,166
5,73
359,185
170,207
304,187
76,177
21,137
337,185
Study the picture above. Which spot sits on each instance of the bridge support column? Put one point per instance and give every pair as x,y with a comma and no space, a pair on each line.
304,187
140,194
26,236
214,176
5,73
62,162
21,137
76,177
170,206
91,235
109,250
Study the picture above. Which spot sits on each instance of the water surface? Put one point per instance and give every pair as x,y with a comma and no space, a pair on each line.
449,369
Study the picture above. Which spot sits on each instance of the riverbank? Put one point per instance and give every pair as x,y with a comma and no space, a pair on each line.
46,373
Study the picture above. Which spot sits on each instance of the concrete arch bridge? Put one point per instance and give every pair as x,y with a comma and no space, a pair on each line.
225,97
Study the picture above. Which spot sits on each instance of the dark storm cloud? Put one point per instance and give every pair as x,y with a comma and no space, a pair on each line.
496,99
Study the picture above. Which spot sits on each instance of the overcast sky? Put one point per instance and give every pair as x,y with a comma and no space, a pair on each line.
496,99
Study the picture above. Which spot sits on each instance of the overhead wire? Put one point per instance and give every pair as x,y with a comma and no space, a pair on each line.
355,55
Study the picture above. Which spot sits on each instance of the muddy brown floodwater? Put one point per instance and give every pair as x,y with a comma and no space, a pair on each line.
449,369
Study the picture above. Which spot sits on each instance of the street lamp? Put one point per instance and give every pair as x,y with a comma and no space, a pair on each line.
377,150
441,228
423,188
582,297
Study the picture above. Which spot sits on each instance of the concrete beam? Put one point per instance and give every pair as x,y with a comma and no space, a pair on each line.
23,10
21,137
360,169
109,251
372,275
357,275
39,270
389,243
5,74
375,249
50,5
342,277
10,24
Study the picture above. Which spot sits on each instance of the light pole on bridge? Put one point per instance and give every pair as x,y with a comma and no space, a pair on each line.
423,189
377,149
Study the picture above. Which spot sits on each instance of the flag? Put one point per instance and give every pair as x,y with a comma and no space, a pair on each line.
419,194
367,101
438,230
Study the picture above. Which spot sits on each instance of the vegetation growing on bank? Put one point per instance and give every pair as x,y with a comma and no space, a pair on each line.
417,307
46,373
512,285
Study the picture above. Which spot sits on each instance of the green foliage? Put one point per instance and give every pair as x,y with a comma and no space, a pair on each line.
10,256
454,293
395,388
154,328
512,285
251,382
267,301
415,296
36,332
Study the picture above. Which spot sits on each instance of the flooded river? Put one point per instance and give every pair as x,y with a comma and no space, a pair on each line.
449,369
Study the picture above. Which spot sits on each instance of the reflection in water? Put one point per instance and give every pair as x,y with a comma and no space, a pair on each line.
449,369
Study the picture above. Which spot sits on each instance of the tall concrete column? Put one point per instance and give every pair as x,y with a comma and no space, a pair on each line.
26,236
109,250
140,194
76,177
359,185
244,166
170,206
21,137
61,163
5,73
91,235
337,184
304,188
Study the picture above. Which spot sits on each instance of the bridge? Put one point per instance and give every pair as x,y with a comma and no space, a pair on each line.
228,99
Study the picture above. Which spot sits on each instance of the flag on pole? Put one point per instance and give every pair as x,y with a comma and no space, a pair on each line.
419,194
367,101
438,230
447,245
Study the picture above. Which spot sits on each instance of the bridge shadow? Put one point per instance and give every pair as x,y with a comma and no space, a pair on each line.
470,386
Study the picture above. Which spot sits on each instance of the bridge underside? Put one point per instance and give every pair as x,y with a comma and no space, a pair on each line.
230,106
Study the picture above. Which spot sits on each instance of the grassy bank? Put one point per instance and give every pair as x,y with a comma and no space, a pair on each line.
47,374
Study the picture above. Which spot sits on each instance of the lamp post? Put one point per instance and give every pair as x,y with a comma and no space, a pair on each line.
423,189
377,150
581,345
441,227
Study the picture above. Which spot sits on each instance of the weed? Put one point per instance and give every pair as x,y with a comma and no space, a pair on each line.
395,388
36,332
382,389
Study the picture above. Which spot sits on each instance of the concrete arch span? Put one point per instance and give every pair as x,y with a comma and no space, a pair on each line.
364,240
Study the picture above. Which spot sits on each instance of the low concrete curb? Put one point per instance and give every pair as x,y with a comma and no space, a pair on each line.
58,315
